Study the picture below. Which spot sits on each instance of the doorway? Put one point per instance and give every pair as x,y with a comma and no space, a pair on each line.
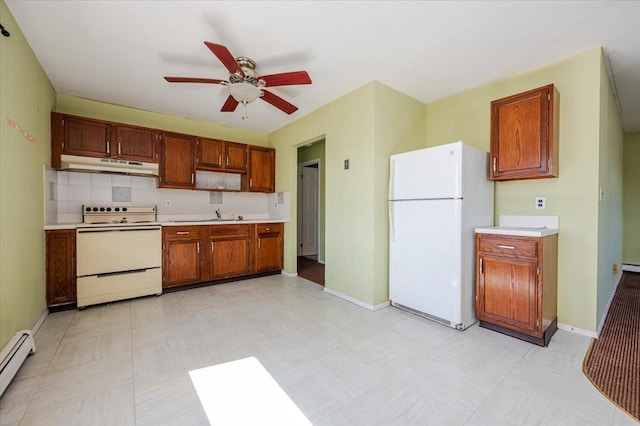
310,212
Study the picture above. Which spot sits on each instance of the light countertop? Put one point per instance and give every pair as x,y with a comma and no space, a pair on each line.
521,231
55,226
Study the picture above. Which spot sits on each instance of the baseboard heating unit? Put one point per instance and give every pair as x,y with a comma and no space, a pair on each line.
13,355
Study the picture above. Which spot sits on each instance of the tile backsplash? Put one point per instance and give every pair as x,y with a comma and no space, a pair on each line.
66,192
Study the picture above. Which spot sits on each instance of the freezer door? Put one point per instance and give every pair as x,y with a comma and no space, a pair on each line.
426,173
424,257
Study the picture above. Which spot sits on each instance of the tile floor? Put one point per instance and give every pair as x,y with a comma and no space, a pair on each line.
127,363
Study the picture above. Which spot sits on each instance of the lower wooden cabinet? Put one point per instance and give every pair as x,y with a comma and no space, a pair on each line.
516,285
269,247
230,251
182,262
60,267
201,253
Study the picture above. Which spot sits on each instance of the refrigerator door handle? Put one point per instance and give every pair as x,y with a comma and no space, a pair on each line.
391,227
392,170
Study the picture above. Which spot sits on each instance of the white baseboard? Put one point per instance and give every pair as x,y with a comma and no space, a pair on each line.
631,268
39,323
577,330
321,261
356,301
289,274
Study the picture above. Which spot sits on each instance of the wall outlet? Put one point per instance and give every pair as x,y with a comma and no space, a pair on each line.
614,269
167,203
541,203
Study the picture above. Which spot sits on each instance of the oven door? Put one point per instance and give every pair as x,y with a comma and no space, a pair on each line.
113,249
117,263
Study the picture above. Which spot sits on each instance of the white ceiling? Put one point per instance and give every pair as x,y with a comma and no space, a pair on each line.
119,51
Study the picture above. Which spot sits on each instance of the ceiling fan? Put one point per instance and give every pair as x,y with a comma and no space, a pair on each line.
245,85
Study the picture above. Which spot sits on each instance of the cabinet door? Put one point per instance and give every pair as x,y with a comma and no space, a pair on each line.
177,165
261,169
507,293
86,137
210,153
61,267
230,257
182,262
269,247
523,133
235,157
136,143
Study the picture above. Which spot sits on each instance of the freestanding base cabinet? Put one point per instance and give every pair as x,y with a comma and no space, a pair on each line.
516,285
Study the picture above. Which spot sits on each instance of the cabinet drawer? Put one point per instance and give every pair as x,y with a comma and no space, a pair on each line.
264,228
181,232
511,247
226,230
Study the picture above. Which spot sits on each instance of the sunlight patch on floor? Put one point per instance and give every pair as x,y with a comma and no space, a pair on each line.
243,392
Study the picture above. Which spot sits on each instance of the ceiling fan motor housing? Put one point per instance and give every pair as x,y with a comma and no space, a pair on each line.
250,75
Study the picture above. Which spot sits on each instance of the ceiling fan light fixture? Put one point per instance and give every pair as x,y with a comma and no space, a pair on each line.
244,93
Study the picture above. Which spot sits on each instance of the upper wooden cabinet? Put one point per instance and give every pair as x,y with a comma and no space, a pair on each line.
78,136
178,155
137,143
96,138
177,163
524,135
217,155
262,166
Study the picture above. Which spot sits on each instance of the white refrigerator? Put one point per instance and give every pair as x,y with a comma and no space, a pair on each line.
437,197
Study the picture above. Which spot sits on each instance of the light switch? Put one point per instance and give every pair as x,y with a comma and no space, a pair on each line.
346,164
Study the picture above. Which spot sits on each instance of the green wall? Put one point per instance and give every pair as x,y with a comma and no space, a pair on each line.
120,114
631,199
573,196
610,204
347,126
364,126
308,153
26,97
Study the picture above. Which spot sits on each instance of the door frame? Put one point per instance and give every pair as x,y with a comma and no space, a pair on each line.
299,207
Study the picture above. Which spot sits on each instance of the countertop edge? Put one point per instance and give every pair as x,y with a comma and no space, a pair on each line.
62,226
518,232
222,222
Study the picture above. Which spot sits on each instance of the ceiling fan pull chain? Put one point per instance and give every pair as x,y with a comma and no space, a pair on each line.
244,110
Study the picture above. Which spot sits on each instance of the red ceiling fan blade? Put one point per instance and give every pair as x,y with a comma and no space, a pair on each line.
225,57
278,102
286,79
230,105
193,80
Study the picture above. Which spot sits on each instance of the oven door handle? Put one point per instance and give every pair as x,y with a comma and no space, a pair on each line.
87,231
130,271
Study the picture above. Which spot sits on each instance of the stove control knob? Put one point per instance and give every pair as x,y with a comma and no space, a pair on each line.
101,209
95,209
124,209
87,209
108,209
117,209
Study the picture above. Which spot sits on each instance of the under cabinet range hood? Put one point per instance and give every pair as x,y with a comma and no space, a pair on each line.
111,165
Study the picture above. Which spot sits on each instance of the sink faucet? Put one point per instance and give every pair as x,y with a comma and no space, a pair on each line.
218,214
